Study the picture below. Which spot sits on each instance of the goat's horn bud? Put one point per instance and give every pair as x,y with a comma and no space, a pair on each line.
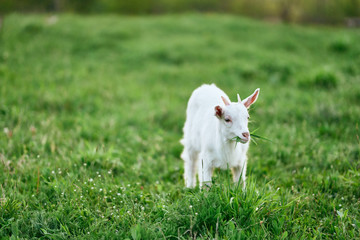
226,102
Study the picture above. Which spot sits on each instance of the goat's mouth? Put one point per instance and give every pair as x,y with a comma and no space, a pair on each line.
240,140
244,141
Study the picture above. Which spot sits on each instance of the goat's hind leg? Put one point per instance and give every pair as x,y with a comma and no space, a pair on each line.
190,159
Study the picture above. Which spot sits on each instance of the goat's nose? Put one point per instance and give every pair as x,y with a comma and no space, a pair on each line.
246,135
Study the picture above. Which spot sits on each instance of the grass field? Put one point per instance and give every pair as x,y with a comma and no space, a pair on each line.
92,110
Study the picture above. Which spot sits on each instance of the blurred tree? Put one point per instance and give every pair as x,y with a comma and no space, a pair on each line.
79,6
57,5
351,8
286,8
319,11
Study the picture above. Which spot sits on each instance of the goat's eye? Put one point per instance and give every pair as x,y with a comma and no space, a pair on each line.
227,120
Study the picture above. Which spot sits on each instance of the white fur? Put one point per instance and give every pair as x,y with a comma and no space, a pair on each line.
209,140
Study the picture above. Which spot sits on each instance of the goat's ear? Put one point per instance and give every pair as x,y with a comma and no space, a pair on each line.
226,102
251,99
219,112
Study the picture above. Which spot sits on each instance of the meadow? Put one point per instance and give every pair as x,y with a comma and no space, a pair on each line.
92,110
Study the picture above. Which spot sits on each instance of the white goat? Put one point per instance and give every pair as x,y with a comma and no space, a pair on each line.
209,131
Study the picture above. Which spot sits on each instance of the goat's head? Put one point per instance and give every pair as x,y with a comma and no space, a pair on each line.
234,117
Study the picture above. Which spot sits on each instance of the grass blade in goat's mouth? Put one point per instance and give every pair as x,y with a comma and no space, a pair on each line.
238,139
259,137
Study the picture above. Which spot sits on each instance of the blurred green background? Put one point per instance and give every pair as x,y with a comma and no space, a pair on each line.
93,100
305,11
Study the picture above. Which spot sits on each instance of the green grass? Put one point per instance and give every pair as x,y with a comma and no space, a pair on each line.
92,109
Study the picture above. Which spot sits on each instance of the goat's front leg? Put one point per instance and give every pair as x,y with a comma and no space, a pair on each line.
190,159
205,172
239,172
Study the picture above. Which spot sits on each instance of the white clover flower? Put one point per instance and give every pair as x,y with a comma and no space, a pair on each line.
90,180
101,189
